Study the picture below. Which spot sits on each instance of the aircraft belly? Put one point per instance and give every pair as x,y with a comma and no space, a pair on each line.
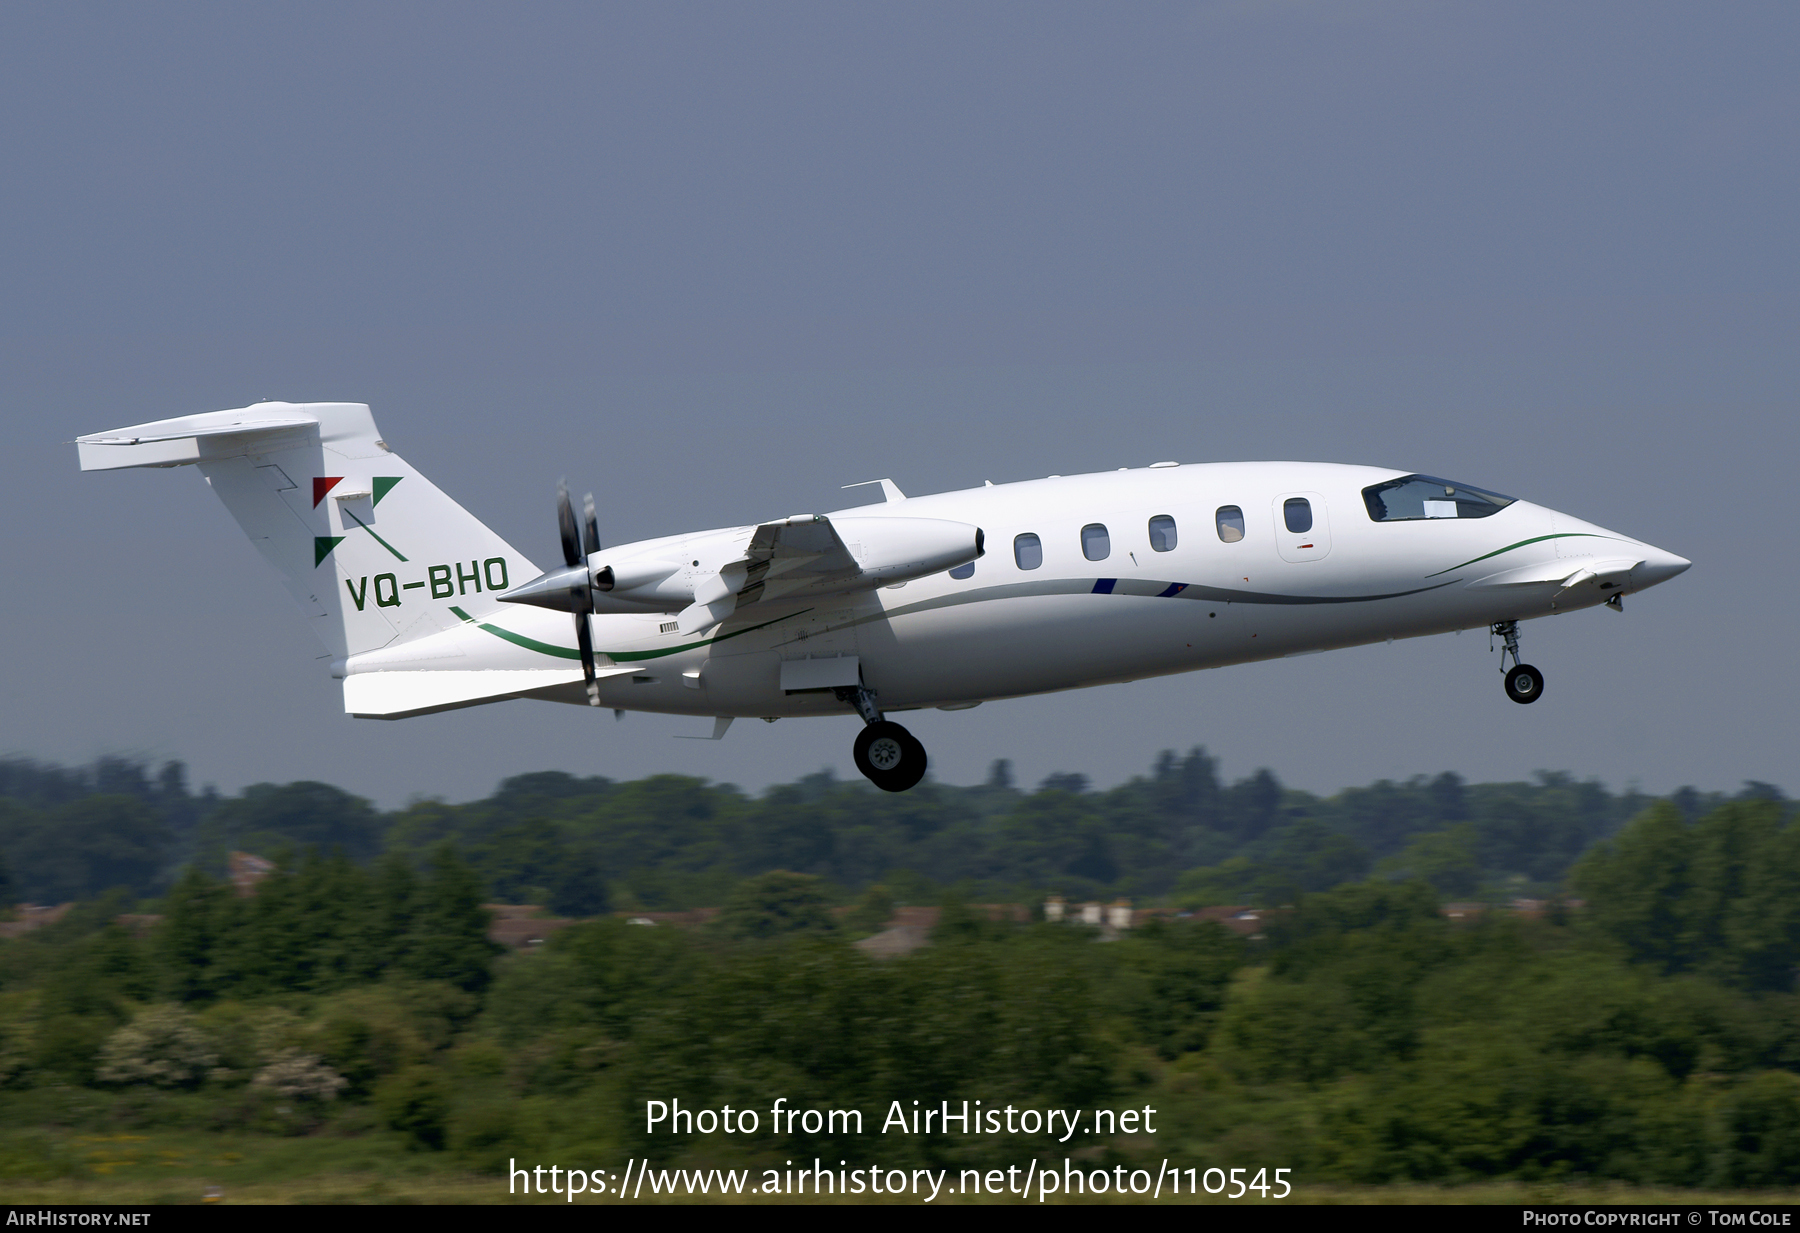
1039,644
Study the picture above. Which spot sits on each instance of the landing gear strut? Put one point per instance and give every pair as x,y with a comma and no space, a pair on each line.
1523,682
887,754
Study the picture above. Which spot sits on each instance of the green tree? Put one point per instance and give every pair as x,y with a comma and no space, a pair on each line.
1637,888
1720,896
872,912
89,845
300,816
1183,970
396,904
449,939
187,943
1761,1123
778,903
1446,859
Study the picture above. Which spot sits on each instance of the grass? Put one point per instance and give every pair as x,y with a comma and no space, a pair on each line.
180,1166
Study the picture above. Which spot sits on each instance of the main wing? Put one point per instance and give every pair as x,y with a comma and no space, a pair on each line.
809,555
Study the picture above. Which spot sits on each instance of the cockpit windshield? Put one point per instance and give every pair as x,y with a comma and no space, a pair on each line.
1426,496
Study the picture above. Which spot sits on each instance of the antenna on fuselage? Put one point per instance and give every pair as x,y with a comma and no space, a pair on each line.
889,489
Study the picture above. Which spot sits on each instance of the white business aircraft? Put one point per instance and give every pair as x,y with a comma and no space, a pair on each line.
943,601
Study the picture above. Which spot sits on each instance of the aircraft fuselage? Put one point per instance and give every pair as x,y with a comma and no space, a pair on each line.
1161,600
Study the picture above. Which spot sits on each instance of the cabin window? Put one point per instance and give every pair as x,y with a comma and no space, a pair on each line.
964,571
1028,551
1418,497
1096,544
1231,523
1162,533
1297,513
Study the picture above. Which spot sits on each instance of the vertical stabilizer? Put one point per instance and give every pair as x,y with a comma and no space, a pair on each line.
372,551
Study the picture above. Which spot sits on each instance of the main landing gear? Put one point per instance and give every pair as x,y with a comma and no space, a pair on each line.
887,754
1523,682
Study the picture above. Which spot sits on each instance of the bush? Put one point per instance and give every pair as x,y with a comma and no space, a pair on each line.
483,1134
162,1047
1762,1131
300,1076
416,1102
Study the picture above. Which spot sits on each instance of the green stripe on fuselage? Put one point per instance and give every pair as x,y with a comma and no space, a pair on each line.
618,657
1128,587
1536,539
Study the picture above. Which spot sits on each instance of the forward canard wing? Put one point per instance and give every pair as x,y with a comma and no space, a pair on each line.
1569,573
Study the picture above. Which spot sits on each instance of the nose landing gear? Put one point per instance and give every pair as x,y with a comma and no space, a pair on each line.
1524,684
888,755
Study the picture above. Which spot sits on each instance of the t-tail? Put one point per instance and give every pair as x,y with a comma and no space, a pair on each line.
373,552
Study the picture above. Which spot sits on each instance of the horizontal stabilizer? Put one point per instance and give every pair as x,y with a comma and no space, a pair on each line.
396,695
178,442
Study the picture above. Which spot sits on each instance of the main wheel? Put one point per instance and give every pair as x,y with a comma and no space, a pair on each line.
1524,683
889,756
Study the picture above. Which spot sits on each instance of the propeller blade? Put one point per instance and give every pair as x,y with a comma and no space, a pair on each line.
590,544
581,594
584,638
565,522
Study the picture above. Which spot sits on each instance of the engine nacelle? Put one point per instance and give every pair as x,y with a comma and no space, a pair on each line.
636,574
883,551
639,584
892,550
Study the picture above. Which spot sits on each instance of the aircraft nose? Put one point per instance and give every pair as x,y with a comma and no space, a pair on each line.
1658,566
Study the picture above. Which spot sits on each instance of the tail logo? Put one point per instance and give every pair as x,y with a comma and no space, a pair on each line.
379,487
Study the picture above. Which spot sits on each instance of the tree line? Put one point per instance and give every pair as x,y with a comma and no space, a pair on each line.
585,845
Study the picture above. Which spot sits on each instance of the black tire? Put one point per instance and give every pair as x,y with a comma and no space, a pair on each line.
1524,684
889,756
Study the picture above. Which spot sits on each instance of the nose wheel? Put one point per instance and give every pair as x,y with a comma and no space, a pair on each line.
1524,684
888,755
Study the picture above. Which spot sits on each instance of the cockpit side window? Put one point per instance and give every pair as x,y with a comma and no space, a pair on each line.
1419,497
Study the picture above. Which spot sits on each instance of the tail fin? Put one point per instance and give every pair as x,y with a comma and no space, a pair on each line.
373,552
